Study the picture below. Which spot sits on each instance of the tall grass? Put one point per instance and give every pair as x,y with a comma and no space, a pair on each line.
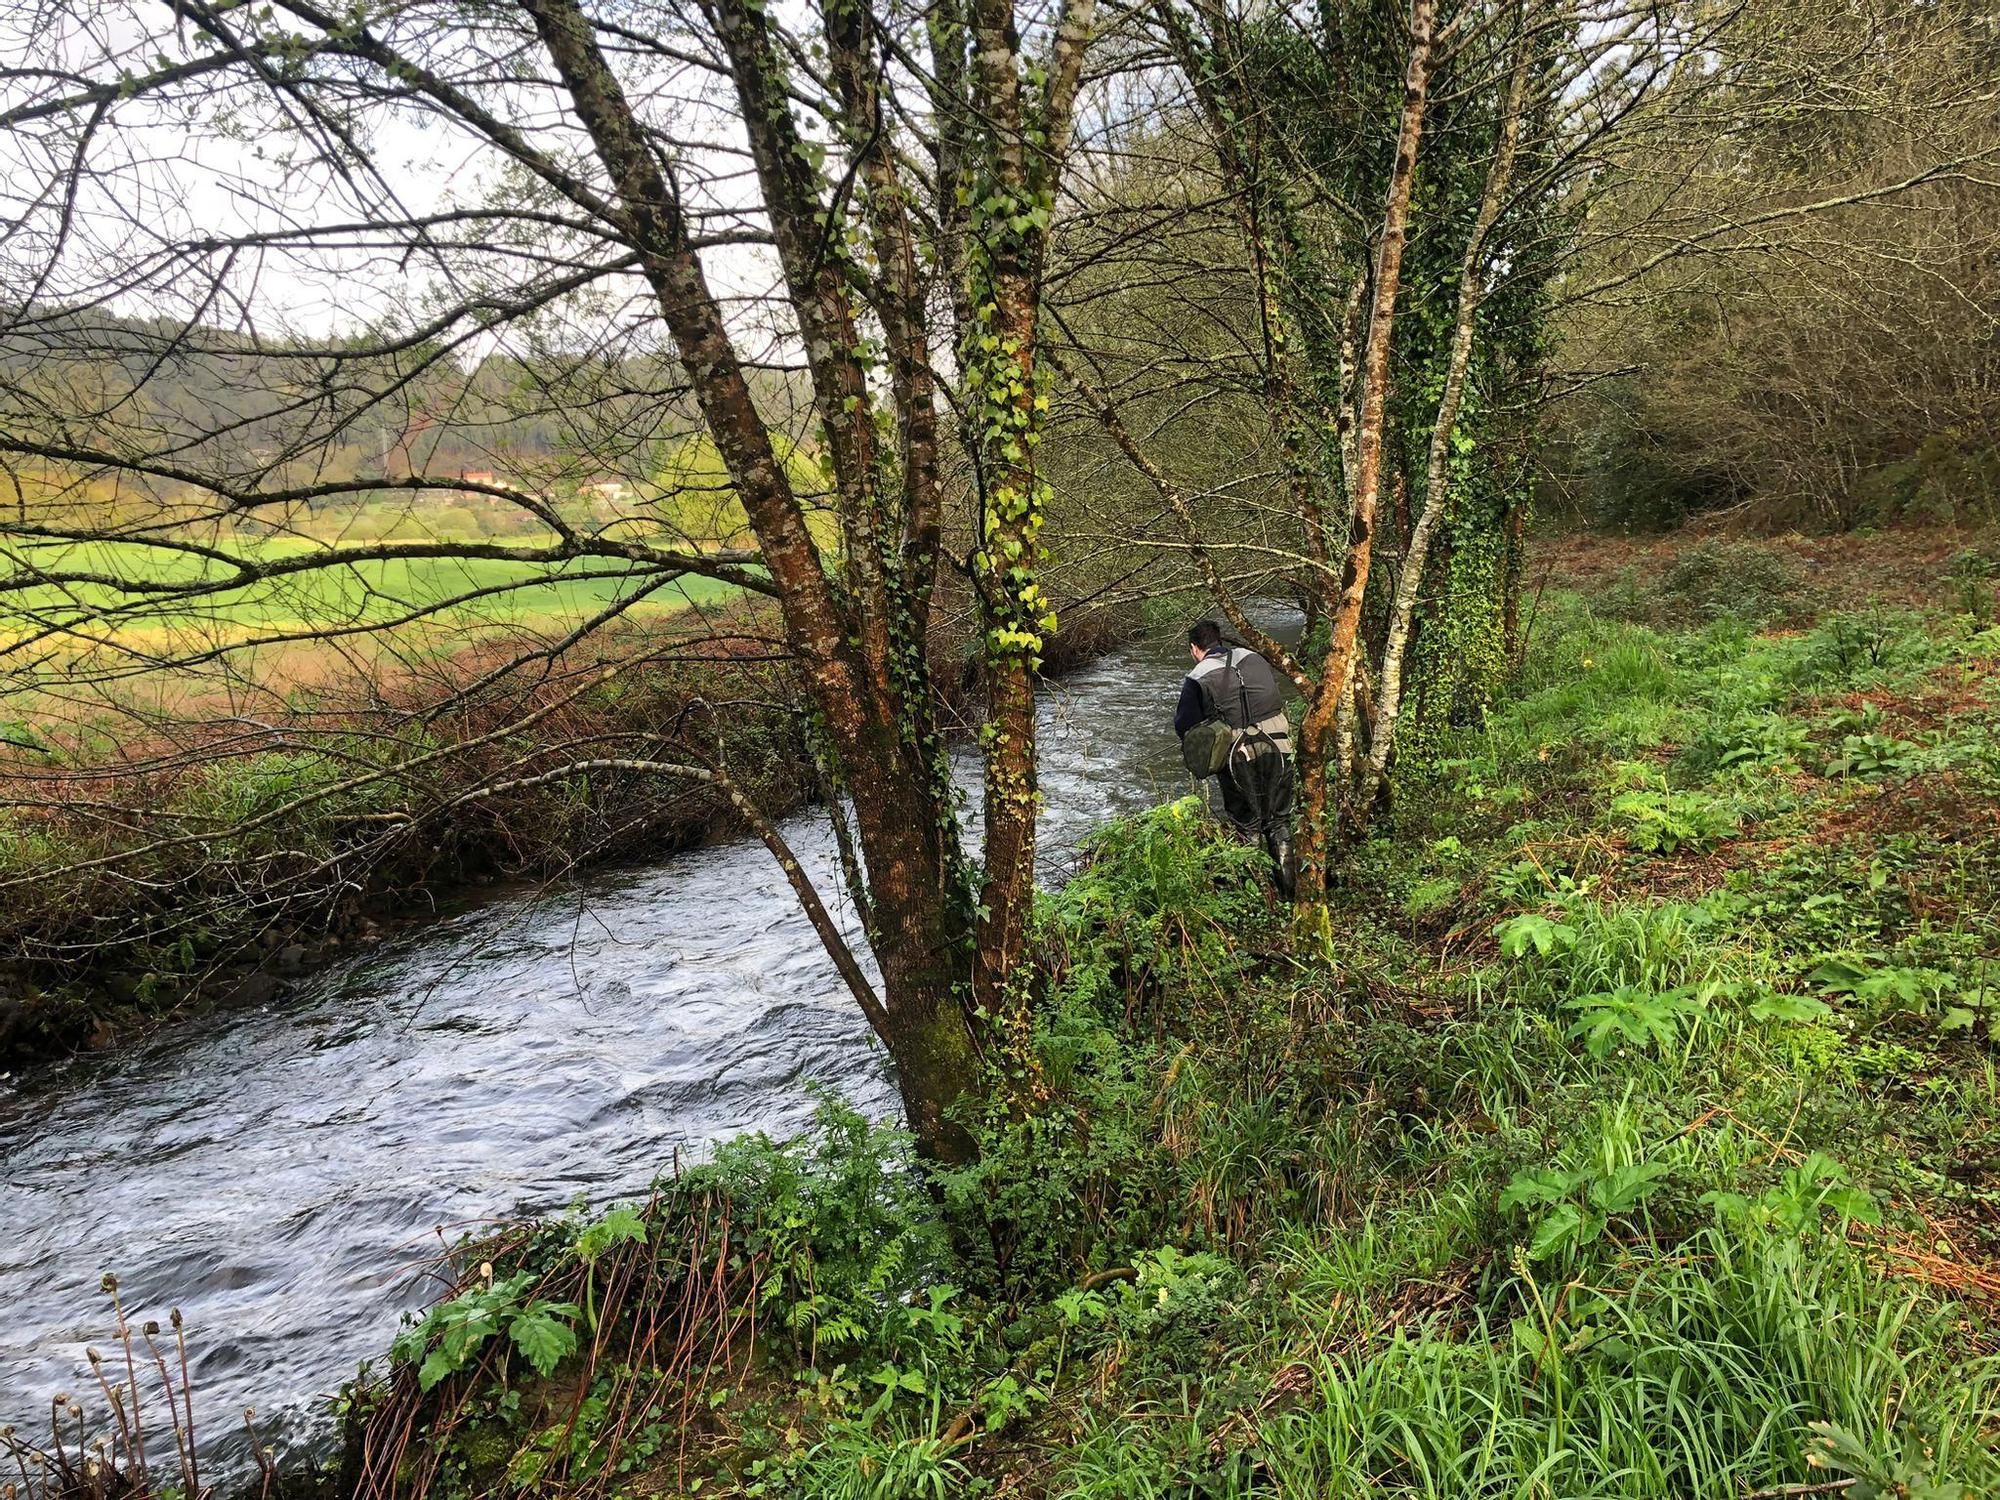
1695,1373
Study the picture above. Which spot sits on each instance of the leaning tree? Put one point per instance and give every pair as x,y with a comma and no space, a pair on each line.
808,241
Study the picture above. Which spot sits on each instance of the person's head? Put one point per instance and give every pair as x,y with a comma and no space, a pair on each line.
1204,636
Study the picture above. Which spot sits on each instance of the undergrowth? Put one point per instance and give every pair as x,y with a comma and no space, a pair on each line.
1640,1140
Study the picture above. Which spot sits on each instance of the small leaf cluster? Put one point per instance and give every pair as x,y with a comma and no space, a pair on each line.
451,1337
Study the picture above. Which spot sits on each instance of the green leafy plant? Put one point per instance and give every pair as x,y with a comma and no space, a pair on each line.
1571,1209
1752,741
1874,754
1429,897
1874,1476
842,1227
1635,1017
1771,1005
1817,1185
1954,1003
1169,1310
1531,931
621,1226
1860,647
1887,986
1659,821
1969,585
451,1335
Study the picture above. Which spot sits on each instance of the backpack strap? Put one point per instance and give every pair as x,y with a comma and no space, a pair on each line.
1275,732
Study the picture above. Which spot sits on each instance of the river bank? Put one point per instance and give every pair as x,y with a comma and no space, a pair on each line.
1635,1135
283,1174
136,898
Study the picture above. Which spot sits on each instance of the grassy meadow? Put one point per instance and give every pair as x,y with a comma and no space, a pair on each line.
454,593
99,650
350,621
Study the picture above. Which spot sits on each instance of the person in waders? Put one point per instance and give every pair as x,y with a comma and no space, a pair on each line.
1232,726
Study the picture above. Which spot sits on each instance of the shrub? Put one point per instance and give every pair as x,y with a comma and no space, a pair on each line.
1711,580
1864,647
1969,585
1147,1102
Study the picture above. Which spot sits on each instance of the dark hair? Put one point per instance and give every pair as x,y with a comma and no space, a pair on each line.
1205,634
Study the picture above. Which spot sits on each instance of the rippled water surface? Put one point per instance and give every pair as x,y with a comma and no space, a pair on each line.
279,1173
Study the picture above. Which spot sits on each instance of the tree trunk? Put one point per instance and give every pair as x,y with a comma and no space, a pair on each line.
1006,398
1471,289
919,938
903,813
1512,575
1317,732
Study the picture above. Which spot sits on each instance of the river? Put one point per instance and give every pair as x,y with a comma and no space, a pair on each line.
281,1174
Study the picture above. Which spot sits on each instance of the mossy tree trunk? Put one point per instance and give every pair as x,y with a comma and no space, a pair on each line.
1444,433
857,621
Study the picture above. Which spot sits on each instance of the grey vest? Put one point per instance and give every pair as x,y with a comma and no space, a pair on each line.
1239,688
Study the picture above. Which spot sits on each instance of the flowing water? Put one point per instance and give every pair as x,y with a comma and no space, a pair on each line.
281,1174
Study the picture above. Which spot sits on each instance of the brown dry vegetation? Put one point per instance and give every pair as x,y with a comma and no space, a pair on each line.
157,860
1906,565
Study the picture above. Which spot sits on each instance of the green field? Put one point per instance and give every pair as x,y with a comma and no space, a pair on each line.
459,593
688,504
81,659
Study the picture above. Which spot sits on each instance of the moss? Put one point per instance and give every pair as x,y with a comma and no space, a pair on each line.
1460,658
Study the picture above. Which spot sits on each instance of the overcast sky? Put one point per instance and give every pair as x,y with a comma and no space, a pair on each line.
162,176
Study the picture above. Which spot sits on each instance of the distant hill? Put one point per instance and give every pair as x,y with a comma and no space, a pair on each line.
259,413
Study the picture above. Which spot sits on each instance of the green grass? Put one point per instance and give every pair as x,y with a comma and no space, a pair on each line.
339,595
1642,1259
1637,1137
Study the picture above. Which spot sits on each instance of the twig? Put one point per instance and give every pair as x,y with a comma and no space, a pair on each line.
1534,608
